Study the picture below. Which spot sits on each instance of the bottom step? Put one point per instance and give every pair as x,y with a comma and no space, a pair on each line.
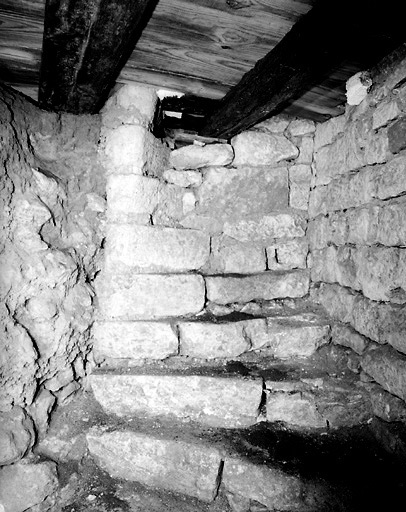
196,468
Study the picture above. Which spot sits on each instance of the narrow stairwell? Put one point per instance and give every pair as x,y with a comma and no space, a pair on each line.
215,378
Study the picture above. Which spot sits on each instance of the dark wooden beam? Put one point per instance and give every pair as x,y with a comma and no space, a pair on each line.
314,47
85,45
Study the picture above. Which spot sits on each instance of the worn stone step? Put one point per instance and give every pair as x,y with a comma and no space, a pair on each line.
212,398
194,466
282,336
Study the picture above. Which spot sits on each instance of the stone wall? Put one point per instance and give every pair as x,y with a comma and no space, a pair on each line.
198,231
52,204
357,234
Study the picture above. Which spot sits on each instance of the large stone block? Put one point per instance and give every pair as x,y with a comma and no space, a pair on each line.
267,485
383,323
267,286
131,198
237,193
387,367
259,148
384,113
195,157
134,340
286,255
150,296
145,249
379,272
23,486
229,256
132,149
263,229
216,401
187,468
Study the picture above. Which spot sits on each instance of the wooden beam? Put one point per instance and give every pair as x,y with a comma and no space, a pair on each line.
85,45
313,48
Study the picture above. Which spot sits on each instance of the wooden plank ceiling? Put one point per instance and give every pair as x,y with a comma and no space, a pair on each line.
199,47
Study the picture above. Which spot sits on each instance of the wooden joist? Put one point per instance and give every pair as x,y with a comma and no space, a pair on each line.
320,40
85,45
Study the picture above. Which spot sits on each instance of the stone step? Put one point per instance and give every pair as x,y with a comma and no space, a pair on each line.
211,397
281,335
235,394
195,464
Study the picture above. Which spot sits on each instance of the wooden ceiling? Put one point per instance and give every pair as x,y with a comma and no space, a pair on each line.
204,47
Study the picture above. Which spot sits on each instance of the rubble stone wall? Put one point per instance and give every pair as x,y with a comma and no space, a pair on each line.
51,219
357,234
206,229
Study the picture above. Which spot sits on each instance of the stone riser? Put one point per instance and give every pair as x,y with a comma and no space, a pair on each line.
280,337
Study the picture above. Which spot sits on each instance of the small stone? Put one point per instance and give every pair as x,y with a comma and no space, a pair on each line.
23,486
135,97
328,131
295,409
347,337
212,340
175,465
266,286
195,157
131,198
288,255
267,485
263,229
183,178
385,112
306,150
216,401
189,202
41,409
258,148
397,136
150,296
228,256
357,88
16,435
275,124
387,367
154,249
134,340
300,127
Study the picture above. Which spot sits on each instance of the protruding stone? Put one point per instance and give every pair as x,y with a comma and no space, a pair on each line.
183,178
134,340
16,435
387,367
175,465
195,157
23,486
149,296
144,249
258,148
216,401
266,286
